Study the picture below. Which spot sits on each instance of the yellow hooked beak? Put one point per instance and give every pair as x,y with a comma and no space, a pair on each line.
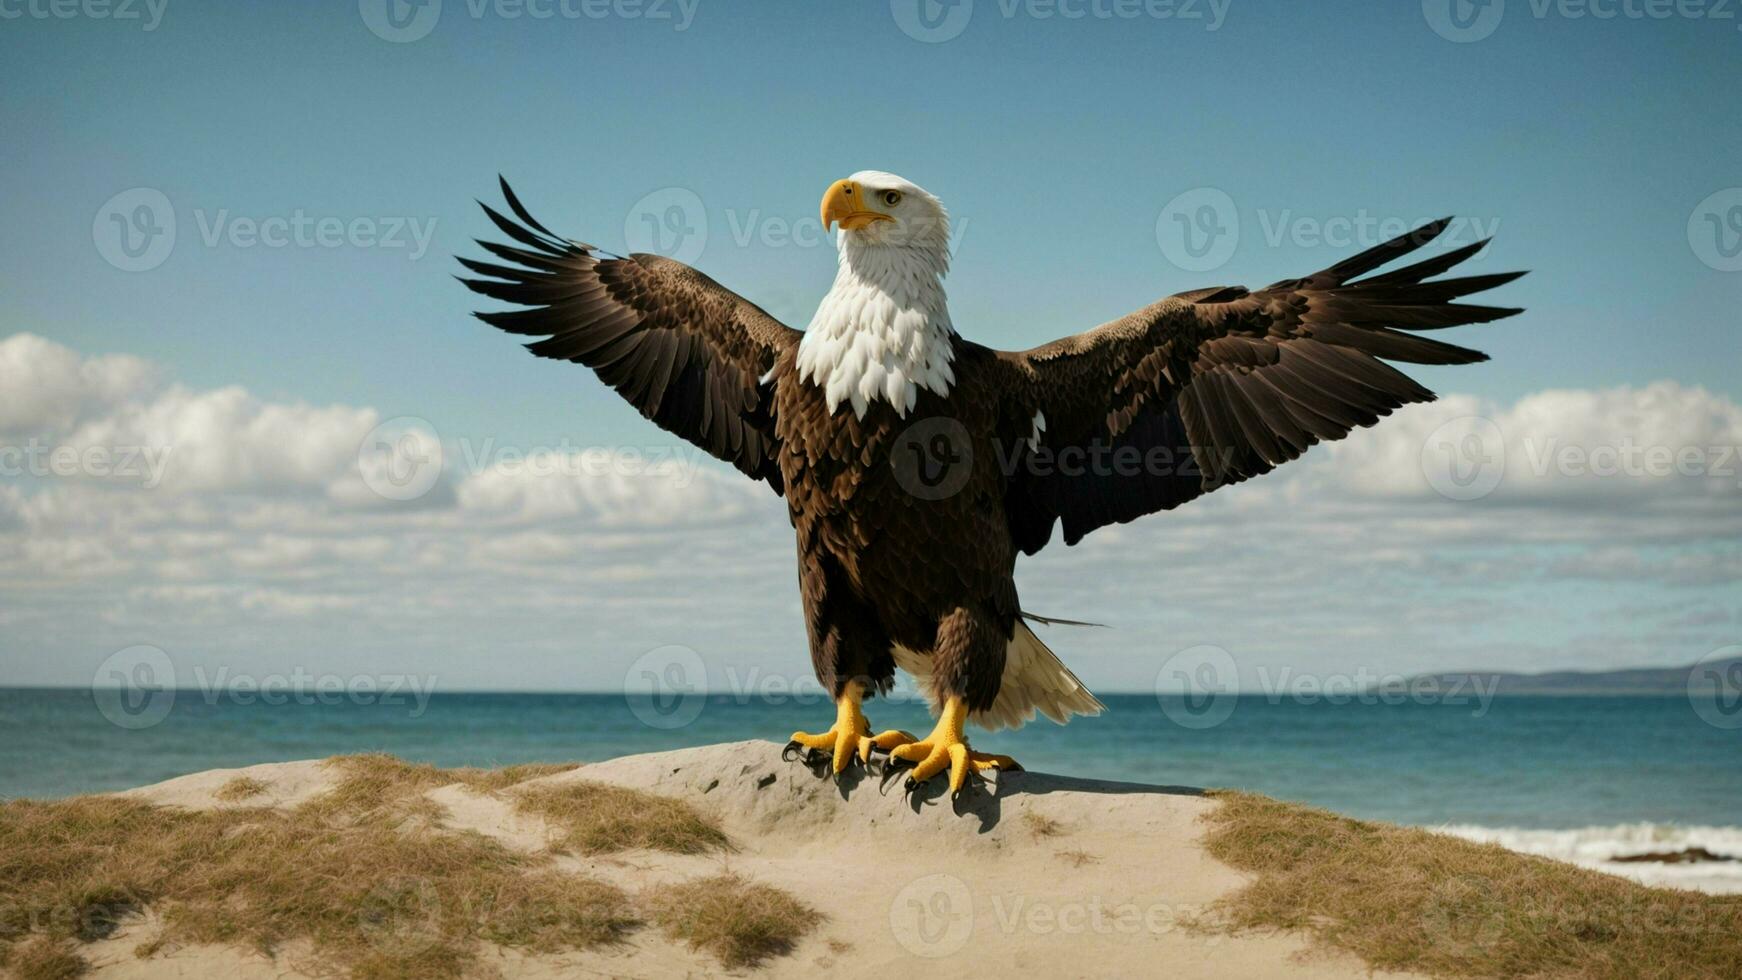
845,203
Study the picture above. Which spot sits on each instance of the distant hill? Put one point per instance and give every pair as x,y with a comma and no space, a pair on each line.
1645,681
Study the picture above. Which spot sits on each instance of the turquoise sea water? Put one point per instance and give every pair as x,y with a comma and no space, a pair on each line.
1523,762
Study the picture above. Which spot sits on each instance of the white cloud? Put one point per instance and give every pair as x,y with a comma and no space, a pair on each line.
609,489
265,539
49,388
1612,447
227,440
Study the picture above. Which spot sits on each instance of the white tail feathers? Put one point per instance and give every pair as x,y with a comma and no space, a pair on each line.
1035,680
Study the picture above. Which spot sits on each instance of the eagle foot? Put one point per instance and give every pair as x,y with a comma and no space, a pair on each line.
833,751
945,748
848,740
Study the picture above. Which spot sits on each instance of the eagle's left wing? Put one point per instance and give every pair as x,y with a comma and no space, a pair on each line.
685,350
1210,388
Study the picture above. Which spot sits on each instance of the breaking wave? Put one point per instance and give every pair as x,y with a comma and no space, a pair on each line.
1703,851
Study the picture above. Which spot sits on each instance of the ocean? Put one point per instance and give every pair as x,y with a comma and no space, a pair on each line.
1579,778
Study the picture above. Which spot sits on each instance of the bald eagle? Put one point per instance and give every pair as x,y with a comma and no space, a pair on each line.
916,465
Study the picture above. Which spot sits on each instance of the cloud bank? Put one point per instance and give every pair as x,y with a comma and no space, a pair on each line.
1571,528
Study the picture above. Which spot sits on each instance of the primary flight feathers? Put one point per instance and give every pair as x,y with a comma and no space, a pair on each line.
681,348
1246,381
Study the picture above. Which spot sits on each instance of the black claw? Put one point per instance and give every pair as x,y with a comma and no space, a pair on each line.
790,753
888,775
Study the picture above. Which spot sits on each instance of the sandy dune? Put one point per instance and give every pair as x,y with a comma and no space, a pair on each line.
1042,874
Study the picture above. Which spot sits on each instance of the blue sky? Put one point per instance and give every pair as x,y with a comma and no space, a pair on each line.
1059,141
1587,144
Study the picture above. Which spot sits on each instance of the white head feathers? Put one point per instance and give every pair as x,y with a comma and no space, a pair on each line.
883,330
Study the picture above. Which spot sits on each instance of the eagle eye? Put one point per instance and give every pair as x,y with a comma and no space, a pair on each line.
892,198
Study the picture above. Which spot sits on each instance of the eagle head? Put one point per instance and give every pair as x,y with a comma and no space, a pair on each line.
877,208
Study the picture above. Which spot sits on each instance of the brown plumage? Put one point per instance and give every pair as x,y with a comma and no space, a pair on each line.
1142,414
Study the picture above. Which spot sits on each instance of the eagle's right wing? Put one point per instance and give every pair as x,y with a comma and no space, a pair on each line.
1213,387
686,351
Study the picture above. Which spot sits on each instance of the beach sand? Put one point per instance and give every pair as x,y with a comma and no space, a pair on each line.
1046,876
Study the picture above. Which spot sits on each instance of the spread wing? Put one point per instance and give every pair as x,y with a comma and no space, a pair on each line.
686,351
1210,388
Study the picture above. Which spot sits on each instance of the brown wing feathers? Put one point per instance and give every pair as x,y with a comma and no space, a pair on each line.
1235,383
684,350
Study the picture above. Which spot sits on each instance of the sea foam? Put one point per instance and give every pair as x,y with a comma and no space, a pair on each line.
1599,847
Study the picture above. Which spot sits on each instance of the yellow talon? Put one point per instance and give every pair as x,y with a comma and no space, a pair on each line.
886,741
945,747
851,735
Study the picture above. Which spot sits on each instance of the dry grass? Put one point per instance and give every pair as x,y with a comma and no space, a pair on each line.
1078,857
43,958
377,783
1042,826
740,922
1407,899
550,911
360,874
594,818
239,789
